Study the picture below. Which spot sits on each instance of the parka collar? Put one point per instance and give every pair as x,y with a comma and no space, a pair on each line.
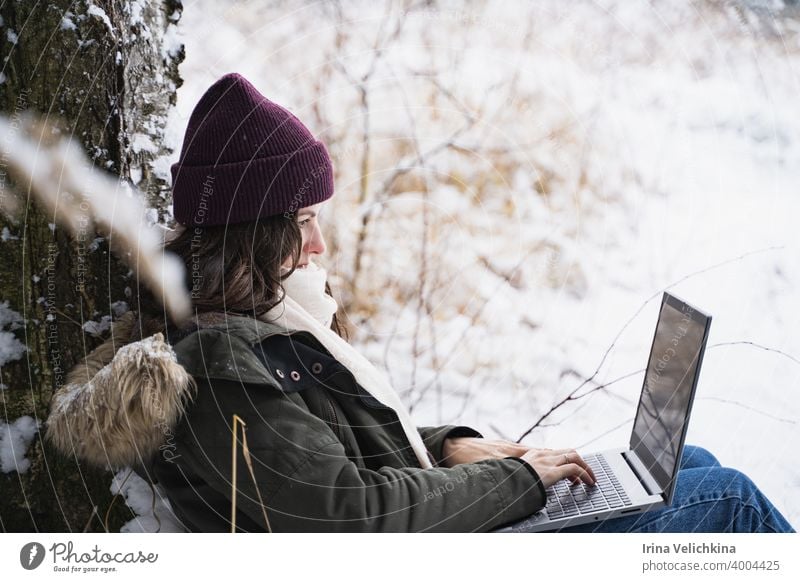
222,346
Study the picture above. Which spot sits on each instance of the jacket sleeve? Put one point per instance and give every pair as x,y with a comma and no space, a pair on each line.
434,437
308,484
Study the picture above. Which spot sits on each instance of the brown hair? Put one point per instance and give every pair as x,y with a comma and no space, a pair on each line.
233,269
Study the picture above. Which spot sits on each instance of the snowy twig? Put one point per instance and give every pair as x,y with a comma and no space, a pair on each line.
77,196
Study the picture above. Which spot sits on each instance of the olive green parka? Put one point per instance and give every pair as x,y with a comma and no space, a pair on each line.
246,426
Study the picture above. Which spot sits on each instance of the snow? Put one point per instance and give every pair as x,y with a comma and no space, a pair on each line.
139,497
173,41
67,24
136,7
141,142
149,346
63,399
9,317
119,308
151,216
15,438
10,347
94,10
640,147
95,244
97,328
173,135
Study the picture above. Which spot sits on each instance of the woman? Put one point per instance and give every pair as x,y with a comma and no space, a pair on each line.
258,415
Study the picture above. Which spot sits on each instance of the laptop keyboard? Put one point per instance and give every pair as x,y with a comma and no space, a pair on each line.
566,500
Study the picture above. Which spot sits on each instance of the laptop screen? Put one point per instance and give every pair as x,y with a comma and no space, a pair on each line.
669,384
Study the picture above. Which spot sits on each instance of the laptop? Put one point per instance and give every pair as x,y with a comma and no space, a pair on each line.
640,477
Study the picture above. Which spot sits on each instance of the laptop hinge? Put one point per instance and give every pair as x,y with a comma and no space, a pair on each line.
642,474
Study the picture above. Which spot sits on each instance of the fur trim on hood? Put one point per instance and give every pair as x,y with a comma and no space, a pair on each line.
120,403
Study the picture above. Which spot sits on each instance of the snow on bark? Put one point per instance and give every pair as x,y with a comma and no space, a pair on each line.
10,347
15,438
152,508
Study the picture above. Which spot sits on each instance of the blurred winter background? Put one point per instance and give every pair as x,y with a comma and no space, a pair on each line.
518,182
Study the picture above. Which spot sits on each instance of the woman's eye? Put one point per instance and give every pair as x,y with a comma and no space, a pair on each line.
302,223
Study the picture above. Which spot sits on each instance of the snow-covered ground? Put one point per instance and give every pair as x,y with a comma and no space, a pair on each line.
615,149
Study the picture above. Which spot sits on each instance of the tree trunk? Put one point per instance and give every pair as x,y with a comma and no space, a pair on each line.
108,71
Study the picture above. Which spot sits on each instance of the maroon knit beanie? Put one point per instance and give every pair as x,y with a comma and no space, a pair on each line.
244,157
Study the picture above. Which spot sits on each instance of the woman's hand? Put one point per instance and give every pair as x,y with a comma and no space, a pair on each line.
552,465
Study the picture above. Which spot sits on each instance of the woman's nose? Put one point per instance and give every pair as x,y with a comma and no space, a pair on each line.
316,244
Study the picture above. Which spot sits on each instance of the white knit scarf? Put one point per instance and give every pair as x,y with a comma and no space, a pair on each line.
306,306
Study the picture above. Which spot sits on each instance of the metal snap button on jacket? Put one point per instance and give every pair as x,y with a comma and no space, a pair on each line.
316,367
279,372
295,375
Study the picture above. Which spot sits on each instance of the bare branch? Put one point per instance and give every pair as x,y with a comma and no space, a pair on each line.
754,344
376,208
423,264
499,432
609,431
473,319
750,408
630,320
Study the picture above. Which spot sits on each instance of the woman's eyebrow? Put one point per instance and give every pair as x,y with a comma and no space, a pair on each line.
310,213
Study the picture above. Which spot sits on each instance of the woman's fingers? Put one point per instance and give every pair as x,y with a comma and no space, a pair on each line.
571,456
573,470
555,465
578,460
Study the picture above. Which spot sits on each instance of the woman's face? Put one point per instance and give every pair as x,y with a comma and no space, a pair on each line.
313,243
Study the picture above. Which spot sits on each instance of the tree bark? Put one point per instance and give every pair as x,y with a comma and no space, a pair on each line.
107,70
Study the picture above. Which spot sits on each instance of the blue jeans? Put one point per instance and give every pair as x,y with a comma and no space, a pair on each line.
708,498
